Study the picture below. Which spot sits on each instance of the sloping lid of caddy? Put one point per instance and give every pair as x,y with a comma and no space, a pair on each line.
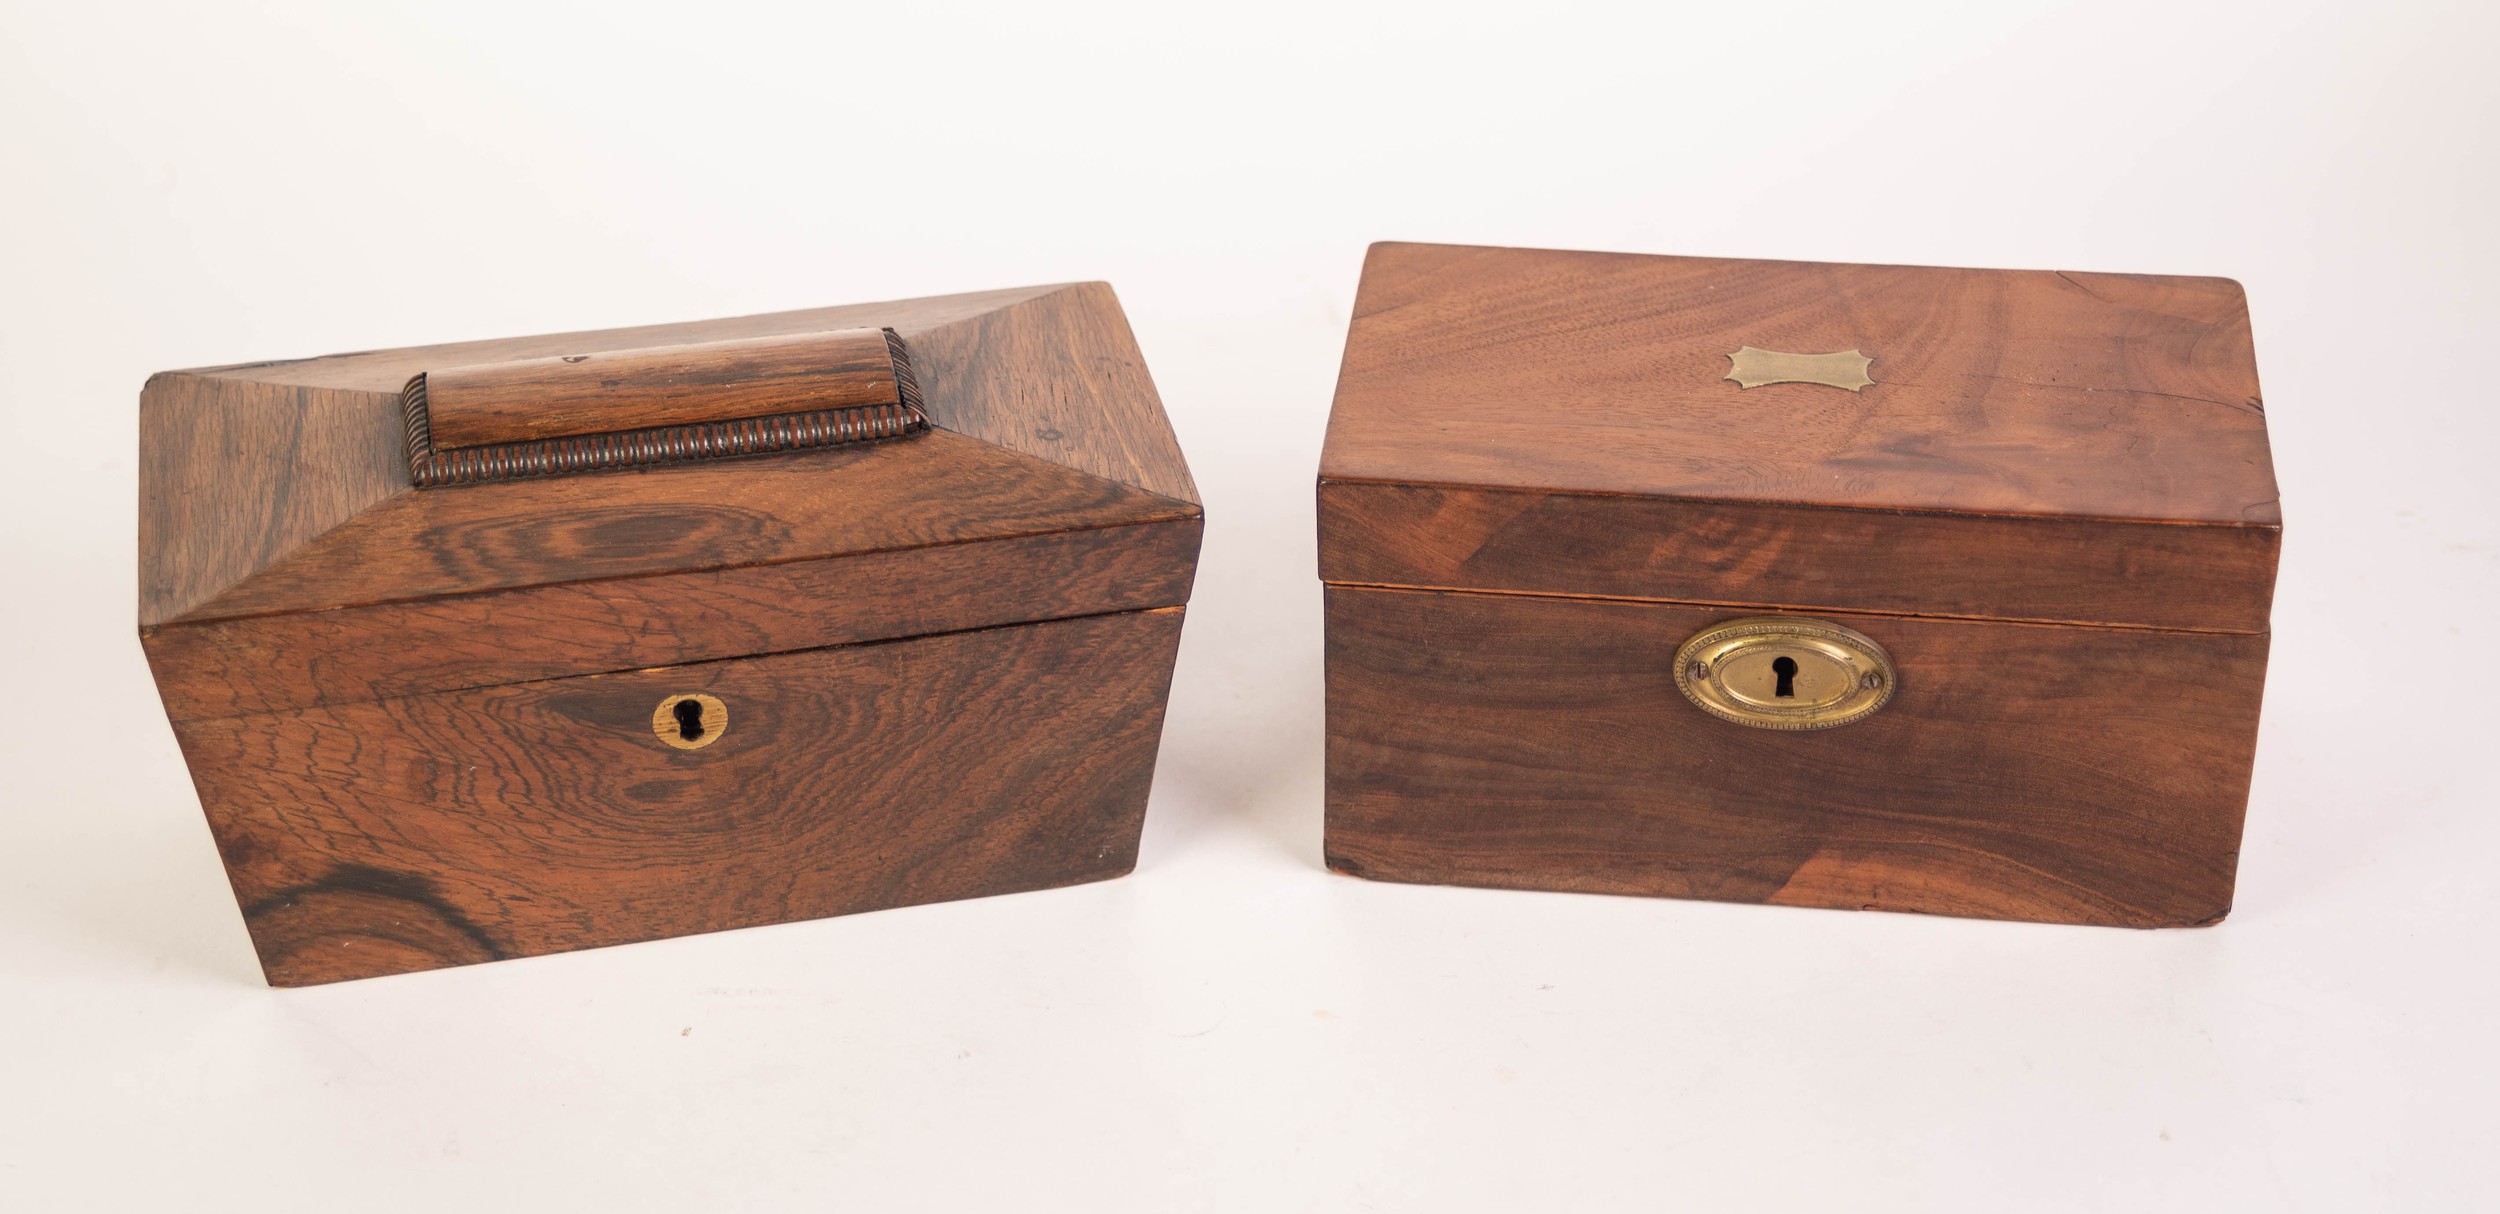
399,521
1987,444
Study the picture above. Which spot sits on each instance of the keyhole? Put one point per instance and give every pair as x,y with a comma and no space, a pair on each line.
1785,668
690,722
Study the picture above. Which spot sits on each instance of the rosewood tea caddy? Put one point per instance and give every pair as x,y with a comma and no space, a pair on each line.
510,647
1844,586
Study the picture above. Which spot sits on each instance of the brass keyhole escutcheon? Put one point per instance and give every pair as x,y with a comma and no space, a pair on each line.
1784,672
691,721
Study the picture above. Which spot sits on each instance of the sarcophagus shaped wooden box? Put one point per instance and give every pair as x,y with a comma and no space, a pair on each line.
1844,586
509,647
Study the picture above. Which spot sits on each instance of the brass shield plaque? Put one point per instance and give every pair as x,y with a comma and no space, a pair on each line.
1752,368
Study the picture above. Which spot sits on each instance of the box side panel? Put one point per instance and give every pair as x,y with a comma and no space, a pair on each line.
464,826
2060,774
2068,570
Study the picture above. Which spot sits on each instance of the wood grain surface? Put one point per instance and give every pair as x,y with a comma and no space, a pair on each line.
2054,505
263,663
604,391
1781,557
934,490
421,723
1058,377
2061,774
417,832
234,474
240,464
319,440
1996,391
2036,445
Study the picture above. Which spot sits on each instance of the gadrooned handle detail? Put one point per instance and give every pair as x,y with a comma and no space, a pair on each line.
623,409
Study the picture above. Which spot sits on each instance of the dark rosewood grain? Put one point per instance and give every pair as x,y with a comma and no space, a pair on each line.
233,473
421,723
411,833
316,441
940,488
1058,378
299,659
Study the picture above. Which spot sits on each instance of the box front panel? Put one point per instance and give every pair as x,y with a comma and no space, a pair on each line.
2054,773
465,826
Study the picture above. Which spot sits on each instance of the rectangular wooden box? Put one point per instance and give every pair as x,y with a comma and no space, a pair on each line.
510,647
2053,508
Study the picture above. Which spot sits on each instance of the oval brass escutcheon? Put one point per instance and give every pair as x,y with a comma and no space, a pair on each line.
1784,672
691,721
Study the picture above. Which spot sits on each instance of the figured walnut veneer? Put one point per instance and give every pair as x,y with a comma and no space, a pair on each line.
2053,505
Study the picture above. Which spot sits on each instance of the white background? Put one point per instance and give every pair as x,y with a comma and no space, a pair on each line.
1232,1027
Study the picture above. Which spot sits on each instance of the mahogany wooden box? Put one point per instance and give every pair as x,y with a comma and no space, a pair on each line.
2013,533
509,647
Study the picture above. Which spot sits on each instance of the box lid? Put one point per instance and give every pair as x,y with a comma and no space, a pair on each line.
1987,444
398,521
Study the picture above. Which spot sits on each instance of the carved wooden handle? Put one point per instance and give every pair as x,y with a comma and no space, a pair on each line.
718,381
622,408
